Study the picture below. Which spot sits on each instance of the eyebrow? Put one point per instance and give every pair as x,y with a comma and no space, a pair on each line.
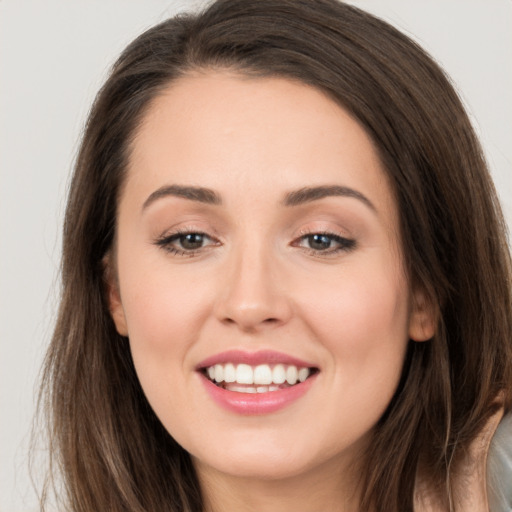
309,194
293,198
200,194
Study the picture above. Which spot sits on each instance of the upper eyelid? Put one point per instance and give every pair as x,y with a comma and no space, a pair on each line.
177,234
326,231
187,229
167,234
167,243
336,237
345,243
174,233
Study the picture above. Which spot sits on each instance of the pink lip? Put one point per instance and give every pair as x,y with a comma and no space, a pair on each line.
256,403
253,359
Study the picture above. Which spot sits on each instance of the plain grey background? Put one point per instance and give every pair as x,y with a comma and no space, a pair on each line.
54,55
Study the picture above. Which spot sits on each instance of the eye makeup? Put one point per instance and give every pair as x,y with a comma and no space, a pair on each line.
186,242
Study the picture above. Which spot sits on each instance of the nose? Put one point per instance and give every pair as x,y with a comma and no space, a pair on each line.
253,295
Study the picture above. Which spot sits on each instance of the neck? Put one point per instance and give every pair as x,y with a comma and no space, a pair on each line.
329,488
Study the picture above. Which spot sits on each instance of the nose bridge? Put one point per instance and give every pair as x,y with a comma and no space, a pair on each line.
252,294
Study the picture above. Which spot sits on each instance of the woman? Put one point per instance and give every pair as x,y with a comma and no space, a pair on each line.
285,276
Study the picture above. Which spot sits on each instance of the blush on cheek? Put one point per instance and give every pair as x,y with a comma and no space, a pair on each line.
157,312
361,317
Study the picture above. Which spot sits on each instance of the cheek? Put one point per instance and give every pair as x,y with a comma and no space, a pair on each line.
362,319
164,311
163,305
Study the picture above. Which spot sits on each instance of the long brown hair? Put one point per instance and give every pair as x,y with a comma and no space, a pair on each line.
106,441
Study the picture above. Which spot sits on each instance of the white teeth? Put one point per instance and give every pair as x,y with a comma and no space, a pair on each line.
278,374
219,373
241,389
264,377
291,375
303,374
229,373
262,374
251,389
244,374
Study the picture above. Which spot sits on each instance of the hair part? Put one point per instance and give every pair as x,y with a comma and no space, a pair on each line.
106,440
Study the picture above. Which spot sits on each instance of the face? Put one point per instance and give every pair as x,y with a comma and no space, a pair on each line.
258,246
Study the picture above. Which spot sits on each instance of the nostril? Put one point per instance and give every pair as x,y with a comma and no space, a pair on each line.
250,324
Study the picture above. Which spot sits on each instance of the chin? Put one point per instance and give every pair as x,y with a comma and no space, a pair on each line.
258,467
262,456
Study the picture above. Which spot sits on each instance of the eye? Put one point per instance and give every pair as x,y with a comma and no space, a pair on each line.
324,243
191,241
185,243
319,242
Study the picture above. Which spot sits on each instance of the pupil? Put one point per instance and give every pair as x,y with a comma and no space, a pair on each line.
319,242
191,241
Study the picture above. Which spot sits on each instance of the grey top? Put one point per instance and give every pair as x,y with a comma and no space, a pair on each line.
499,468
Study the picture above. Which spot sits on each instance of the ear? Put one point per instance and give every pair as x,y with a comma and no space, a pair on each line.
423,318
113,295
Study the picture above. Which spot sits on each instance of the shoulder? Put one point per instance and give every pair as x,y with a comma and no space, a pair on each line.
499,467
484,483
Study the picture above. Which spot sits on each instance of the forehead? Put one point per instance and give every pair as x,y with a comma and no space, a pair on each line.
237,134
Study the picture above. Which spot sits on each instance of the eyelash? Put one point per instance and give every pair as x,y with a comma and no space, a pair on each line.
166,241
344,244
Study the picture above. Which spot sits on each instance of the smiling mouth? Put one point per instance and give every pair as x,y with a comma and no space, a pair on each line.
262,378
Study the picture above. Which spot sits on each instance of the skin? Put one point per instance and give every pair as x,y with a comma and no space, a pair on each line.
256,284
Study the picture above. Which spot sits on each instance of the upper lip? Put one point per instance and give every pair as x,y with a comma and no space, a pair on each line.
253,359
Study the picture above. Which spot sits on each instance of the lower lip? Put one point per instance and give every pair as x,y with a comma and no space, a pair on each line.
257,403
